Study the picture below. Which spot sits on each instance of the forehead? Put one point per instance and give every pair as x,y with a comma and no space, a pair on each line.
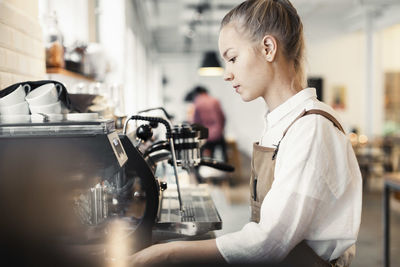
228,36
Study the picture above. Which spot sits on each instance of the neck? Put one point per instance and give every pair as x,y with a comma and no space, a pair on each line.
283,86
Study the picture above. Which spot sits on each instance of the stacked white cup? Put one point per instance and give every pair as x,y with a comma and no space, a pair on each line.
13,107
45,99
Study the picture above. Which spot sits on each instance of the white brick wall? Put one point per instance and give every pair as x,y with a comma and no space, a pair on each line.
22,55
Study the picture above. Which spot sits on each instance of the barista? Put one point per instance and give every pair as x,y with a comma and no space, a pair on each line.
305,181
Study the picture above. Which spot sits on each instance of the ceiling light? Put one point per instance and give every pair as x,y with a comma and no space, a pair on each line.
210,65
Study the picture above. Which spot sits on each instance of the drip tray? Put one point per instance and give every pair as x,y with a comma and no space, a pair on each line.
198,216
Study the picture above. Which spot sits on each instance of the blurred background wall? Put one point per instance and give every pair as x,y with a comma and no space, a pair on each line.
21,45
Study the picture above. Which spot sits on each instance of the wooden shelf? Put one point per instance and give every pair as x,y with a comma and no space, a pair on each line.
68,73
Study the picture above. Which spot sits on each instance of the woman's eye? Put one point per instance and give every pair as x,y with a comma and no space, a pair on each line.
232,60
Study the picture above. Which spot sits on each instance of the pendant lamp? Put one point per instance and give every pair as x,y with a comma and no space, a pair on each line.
210,65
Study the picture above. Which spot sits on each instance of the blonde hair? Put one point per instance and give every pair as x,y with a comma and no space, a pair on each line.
279,18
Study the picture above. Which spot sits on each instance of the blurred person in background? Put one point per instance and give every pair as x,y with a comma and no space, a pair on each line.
208,112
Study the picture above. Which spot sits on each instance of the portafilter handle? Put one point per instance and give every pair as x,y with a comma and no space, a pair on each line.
217,164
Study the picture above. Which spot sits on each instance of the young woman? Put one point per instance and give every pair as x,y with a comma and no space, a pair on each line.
305,182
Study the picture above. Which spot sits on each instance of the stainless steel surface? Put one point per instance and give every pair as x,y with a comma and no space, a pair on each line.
64,128
199,214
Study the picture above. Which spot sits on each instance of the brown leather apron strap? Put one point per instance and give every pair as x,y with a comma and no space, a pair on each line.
305,113
318,112
326,115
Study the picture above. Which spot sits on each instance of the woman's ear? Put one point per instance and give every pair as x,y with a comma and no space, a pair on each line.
269,45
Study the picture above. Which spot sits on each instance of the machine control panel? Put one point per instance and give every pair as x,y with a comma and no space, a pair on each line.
117,148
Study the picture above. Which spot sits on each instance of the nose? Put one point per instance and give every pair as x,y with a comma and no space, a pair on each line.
228,76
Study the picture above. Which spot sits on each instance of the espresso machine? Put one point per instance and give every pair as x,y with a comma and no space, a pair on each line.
79,193
74,192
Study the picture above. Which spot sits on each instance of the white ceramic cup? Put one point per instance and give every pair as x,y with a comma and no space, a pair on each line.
17,109
53,108
43,95
14,118
15,97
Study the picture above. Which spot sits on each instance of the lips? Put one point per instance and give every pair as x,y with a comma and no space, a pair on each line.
236,88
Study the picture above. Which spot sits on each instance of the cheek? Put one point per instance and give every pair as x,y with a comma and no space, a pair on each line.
255,67
260,66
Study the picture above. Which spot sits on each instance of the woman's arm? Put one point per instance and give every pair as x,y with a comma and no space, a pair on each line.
178,252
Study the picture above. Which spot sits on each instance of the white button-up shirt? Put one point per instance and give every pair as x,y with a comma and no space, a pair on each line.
316,194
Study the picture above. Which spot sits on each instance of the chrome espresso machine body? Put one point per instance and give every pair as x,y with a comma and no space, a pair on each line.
74,192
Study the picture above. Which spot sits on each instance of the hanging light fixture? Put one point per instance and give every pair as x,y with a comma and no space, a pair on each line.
210,65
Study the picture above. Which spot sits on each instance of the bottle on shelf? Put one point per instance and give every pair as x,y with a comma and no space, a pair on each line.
54,43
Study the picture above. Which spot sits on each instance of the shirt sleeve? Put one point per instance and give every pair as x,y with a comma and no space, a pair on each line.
288,210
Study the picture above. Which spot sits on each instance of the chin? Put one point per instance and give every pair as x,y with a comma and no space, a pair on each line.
247,98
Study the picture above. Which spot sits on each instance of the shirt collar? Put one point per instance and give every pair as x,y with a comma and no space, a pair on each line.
289,105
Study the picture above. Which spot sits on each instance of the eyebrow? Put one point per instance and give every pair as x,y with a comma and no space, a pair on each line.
226,51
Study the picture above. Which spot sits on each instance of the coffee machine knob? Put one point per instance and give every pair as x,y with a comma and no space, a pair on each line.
144,132
163,186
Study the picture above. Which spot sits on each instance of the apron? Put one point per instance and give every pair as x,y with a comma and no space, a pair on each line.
262,176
